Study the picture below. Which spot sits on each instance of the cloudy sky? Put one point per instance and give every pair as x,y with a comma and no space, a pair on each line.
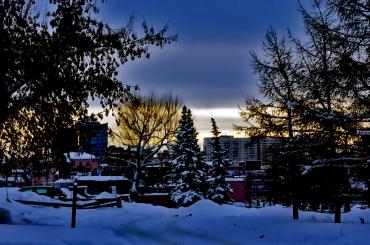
208,67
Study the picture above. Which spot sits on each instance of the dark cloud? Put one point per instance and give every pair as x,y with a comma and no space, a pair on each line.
203,75
209,65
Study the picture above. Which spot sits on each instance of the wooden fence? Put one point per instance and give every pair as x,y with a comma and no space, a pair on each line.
81,204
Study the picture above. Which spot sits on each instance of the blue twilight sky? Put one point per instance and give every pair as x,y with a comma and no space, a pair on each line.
208,67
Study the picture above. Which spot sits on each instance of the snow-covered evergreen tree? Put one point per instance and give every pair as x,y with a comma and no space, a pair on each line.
218,187
189,166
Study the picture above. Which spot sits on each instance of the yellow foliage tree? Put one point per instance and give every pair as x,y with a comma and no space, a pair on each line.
147,124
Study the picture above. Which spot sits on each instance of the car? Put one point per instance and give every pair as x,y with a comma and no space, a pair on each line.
49,191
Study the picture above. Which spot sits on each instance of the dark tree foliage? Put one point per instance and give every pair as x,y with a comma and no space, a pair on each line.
279,76
354,20
189,171
354,33
291,158
281,116
330,100
51,64
316,97
218,187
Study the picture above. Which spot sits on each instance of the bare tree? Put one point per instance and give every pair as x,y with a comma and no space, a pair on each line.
52,63
147,124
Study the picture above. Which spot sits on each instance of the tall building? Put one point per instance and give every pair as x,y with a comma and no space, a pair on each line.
93,139
240,149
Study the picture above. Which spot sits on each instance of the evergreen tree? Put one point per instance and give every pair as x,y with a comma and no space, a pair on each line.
189,166
280,115
218,187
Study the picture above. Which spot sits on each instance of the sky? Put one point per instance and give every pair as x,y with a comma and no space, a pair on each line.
209,66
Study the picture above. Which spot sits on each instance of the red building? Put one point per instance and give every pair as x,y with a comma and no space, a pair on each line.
238,187
82,162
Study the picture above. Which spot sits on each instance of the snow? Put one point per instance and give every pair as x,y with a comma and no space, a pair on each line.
289,104
101,178
69,194
79,156
358,185
63,181
238,179
205,222
104,195
32,196
306,169
156,194
209,163
13,179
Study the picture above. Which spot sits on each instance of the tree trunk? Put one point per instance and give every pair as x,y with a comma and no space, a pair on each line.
133,191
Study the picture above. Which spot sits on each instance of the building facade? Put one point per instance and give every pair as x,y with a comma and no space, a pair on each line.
240,149
93,139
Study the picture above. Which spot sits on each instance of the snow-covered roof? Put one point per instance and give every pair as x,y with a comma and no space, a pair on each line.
209,163
101,178
12,178
359,185
104,195
63,181
239,179
79,156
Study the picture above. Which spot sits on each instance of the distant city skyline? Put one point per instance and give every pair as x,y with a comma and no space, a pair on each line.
208,67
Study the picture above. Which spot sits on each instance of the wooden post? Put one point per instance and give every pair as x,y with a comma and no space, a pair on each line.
347,205
295,208
337,207
119,202
74,205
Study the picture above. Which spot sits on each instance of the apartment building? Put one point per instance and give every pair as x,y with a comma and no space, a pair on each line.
240,149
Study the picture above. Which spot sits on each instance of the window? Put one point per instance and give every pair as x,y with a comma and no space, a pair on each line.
41,190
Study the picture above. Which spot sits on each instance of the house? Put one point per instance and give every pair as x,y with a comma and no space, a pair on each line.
82,162
98,184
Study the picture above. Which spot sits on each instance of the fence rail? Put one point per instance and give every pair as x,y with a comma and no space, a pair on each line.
89,204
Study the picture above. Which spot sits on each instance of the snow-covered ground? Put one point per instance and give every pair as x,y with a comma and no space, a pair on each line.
203,223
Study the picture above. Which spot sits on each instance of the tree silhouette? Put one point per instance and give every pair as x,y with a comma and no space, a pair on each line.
51,64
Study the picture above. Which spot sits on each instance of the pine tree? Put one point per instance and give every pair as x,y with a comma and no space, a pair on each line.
219,188
189,167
